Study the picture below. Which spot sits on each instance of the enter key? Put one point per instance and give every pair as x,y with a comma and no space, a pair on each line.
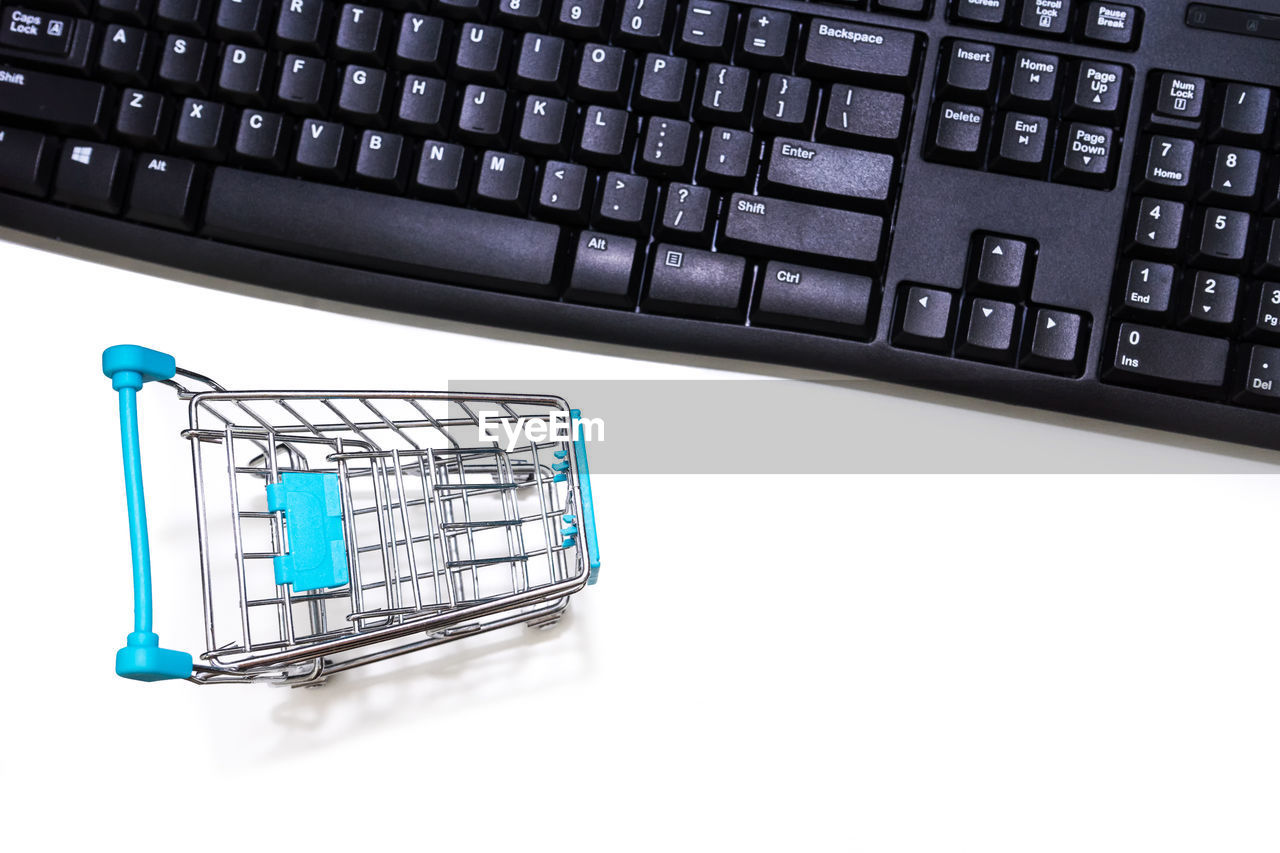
828,172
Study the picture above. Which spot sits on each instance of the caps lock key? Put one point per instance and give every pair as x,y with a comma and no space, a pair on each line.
36,31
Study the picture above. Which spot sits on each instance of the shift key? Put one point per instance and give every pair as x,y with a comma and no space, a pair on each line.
64,103
789,227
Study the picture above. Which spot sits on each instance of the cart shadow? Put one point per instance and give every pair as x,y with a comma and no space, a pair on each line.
475,672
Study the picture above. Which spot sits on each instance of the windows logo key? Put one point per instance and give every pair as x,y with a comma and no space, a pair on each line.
82,154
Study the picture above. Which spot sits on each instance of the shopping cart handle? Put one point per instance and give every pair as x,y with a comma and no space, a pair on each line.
588,510
141,658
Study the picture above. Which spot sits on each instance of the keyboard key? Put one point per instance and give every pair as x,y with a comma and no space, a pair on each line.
380,161
1111,24
1148,289
541,65
971,70
37,31
863,116
836,48
811,169
566,191
243,74
766,37
322,150
61,103
301,26
729,156
502,182
686,214
643,24
988,331
1243,113
482,118
1162,358
1224,237
183,16
1003,266
705,32
420,45
543,126
1268,250
957,135
1034,78
725,93
124,56
784,104
90,175
664,85
1047,18
164,192
26,161
424,106
809,299
604,75
583,19
924,319
1159,225
691,282
360,96
668,148
128,11
359,34
444,172
1098,89
462,10
1023,148
142,119
243,21
481,54
1261,380
200,129
521,14
1213,301
261,140
1168,169
624,203
802,229
380,232
186,65
1181,96
1264,320
304,83
603,269
1234,175
1086,157
1055,344
605,137
980,11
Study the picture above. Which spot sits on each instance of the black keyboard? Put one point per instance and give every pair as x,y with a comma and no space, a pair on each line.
1066,204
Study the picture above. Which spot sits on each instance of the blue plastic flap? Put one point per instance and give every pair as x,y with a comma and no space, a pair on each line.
312,508
151,365
588,509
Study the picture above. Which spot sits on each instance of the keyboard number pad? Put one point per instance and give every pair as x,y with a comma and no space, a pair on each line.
1196,300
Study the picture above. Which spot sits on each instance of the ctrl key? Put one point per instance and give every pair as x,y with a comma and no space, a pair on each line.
26,161
1163,358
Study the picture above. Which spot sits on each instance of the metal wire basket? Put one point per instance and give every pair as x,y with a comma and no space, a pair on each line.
341,528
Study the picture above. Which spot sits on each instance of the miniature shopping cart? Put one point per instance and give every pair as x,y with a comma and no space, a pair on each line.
341,528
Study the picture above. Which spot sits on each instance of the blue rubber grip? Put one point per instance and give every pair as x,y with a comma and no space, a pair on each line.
588,509
142,658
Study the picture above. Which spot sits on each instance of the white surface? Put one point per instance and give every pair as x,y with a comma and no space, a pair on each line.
923,663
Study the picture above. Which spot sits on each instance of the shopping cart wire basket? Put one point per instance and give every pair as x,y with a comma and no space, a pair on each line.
339,528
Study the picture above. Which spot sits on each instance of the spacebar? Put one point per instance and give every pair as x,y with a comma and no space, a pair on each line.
379,232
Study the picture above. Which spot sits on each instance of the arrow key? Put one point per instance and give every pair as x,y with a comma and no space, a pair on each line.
1055,344
989,331
1159,225
1002,264
924,319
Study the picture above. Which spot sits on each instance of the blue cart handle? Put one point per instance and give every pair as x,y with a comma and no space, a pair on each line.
588,508
141,658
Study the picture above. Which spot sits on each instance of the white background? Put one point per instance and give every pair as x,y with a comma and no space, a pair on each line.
913,663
